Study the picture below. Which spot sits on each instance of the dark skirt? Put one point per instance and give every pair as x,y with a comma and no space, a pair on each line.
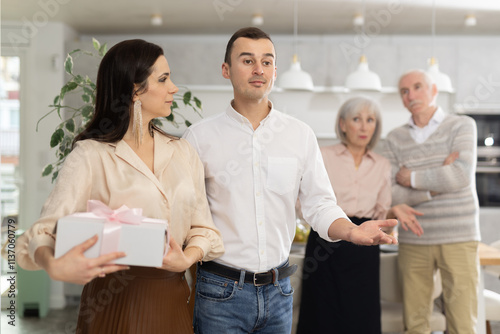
136,301
340,287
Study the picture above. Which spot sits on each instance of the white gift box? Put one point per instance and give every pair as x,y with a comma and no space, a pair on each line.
143,243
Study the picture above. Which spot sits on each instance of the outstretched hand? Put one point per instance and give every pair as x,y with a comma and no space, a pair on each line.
74,267
370,233
406,216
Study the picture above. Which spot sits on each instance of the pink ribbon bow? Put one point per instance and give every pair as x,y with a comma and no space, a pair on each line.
114,219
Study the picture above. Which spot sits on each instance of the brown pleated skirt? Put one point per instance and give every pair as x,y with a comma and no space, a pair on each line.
136,301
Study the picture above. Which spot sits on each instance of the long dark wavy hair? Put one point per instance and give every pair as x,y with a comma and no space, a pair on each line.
125,64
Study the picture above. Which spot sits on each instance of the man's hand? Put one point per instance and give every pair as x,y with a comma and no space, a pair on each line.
403,177
370,233
451,158
406,215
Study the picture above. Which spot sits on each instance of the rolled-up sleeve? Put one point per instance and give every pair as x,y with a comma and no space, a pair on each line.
318,202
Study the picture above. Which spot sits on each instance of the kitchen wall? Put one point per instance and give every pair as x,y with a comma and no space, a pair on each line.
471,62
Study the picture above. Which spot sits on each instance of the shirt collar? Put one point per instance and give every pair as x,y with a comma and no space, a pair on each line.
437,118
232,113
342,149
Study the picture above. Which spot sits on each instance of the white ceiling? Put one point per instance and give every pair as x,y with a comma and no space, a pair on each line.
226,16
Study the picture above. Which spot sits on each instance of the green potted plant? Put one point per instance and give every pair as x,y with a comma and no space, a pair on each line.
75,117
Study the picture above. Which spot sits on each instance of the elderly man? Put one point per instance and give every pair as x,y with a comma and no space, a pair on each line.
434,159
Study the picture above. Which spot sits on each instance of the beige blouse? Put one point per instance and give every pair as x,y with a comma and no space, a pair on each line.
364,192
115,175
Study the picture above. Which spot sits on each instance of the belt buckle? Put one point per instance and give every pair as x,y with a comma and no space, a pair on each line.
263,272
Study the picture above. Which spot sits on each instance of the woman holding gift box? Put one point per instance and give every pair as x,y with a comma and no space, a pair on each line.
121,158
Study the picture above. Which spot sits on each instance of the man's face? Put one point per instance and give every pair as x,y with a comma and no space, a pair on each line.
253,68
416,94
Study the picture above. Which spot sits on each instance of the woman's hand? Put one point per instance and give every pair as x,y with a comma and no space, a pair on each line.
177,260
74,267
406,215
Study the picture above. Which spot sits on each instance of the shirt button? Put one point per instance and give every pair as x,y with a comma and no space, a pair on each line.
260,223
257,194
262,252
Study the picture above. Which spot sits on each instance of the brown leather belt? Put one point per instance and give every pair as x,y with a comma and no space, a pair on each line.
257,279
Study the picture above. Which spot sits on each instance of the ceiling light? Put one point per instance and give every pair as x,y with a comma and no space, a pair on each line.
156,20
363,78
358,20
295,78
442,81
470,20
257,20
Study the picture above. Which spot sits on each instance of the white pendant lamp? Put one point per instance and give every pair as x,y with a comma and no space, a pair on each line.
295,78
363,78
442,81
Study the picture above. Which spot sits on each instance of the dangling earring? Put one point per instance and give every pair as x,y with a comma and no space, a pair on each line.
137,123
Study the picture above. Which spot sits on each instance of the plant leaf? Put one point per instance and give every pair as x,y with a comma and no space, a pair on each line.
198,102
170,118
87,111
103,49
70,125
71,86
188,123
96,44
56,99
85,98
54,176
68,64
78,79
187,97
56,138
47,170
174,105
88,91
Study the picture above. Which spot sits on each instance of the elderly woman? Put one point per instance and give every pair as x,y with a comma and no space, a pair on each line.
341,294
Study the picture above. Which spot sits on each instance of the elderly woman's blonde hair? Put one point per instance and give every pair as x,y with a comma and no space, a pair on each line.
353,106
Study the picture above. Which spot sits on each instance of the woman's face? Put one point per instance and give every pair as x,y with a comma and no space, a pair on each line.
158,98
359,127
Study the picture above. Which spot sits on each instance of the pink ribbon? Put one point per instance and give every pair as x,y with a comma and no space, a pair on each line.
112,226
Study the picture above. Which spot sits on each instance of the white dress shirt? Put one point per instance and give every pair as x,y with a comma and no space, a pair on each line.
253,179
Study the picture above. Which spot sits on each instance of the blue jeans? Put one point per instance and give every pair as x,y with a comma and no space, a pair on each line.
226,306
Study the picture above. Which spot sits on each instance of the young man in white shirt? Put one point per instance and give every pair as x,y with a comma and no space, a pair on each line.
258,161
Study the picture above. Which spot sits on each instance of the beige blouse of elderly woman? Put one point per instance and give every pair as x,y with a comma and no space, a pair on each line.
115,175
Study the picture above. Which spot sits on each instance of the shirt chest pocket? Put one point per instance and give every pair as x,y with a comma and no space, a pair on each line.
281,174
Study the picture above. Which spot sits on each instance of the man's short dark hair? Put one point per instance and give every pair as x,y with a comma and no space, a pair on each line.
248,32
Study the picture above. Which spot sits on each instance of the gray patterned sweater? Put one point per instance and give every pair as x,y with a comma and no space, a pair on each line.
452,215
